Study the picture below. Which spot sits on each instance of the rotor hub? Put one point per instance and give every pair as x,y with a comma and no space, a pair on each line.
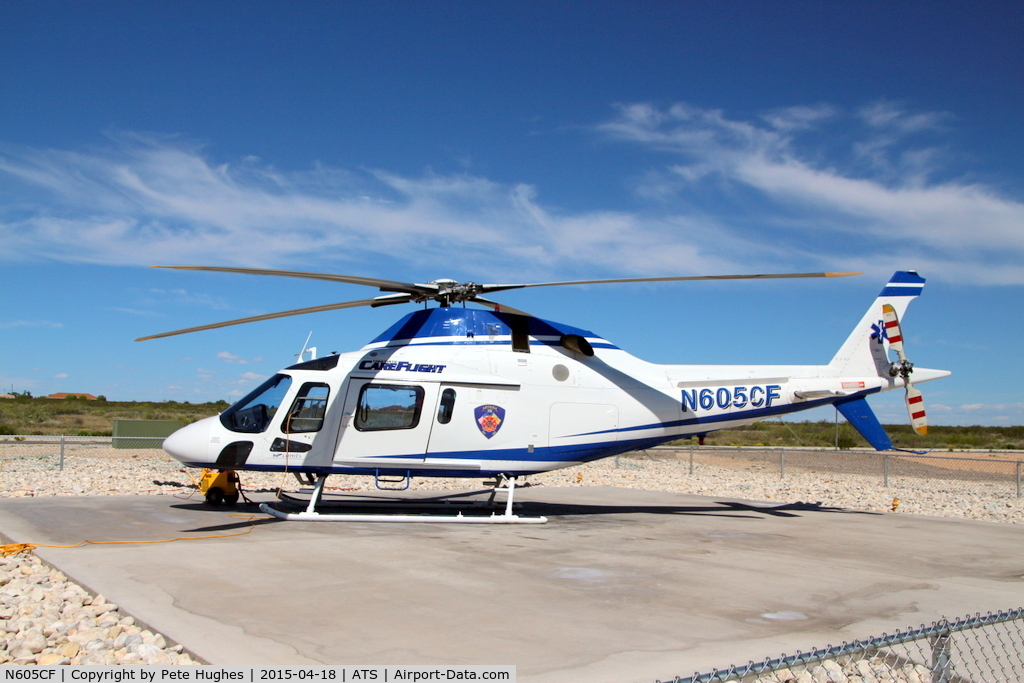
452,291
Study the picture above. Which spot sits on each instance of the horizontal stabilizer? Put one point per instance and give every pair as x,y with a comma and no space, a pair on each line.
822,393
858,413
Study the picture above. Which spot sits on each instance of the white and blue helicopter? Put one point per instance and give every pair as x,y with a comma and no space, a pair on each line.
451,391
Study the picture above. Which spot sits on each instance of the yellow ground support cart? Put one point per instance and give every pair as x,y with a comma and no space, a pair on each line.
220,487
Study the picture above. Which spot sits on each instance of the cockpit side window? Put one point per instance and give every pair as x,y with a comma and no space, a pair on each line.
254,413
308,409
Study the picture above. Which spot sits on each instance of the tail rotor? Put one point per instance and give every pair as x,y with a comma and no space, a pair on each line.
903,368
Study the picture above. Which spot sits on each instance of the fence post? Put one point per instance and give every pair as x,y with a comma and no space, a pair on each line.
782,464
941,658
885,470
691,464
61,452
1018,478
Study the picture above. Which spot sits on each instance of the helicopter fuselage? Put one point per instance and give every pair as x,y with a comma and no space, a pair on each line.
475,393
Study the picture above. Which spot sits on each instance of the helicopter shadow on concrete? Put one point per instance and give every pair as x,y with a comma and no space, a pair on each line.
731,509
449,504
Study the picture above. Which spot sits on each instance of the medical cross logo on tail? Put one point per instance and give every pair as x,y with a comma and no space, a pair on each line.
416,399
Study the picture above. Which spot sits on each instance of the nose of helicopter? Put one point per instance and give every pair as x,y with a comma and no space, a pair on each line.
191,443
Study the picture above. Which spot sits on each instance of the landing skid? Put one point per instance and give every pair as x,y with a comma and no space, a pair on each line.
311,515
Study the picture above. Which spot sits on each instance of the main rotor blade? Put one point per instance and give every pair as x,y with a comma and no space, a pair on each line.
382,300
763,276
431,290
383,285
499,308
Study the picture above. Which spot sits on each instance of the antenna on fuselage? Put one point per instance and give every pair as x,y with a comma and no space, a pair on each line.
305,348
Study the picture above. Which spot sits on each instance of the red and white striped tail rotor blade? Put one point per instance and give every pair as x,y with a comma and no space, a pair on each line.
915,406
892,330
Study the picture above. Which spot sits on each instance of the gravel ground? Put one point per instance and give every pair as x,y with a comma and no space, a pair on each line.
49,620
46,619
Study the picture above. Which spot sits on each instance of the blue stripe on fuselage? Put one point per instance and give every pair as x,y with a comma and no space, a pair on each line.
753,414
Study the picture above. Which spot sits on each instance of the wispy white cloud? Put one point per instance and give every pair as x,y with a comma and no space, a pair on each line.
891,116
804,186
235,359
151,200
799,117
134,311
244,383
146,200
187,298
874,200
992,414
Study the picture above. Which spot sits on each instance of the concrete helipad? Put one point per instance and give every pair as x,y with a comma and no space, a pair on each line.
620,585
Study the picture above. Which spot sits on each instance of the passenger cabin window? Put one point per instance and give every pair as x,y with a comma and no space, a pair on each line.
308,410
254,413
388,406
447,405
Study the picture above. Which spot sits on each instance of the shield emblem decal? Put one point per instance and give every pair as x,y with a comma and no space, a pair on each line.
489,419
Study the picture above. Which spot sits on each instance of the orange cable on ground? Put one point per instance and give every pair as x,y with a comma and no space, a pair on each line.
18,548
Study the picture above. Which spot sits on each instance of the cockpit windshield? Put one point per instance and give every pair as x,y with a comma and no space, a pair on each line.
254,413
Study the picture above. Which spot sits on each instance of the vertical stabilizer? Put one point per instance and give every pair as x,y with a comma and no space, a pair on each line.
864,353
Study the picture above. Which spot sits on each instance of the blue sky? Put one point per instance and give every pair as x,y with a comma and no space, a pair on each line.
508,142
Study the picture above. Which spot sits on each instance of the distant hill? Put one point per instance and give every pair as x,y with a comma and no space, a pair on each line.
84,417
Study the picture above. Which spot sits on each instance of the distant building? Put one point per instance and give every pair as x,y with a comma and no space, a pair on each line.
89,397
6,395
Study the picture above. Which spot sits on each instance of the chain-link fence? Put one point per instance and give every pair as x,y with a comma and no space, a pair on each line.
103,465
979,474
85,465
28,453
978,649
